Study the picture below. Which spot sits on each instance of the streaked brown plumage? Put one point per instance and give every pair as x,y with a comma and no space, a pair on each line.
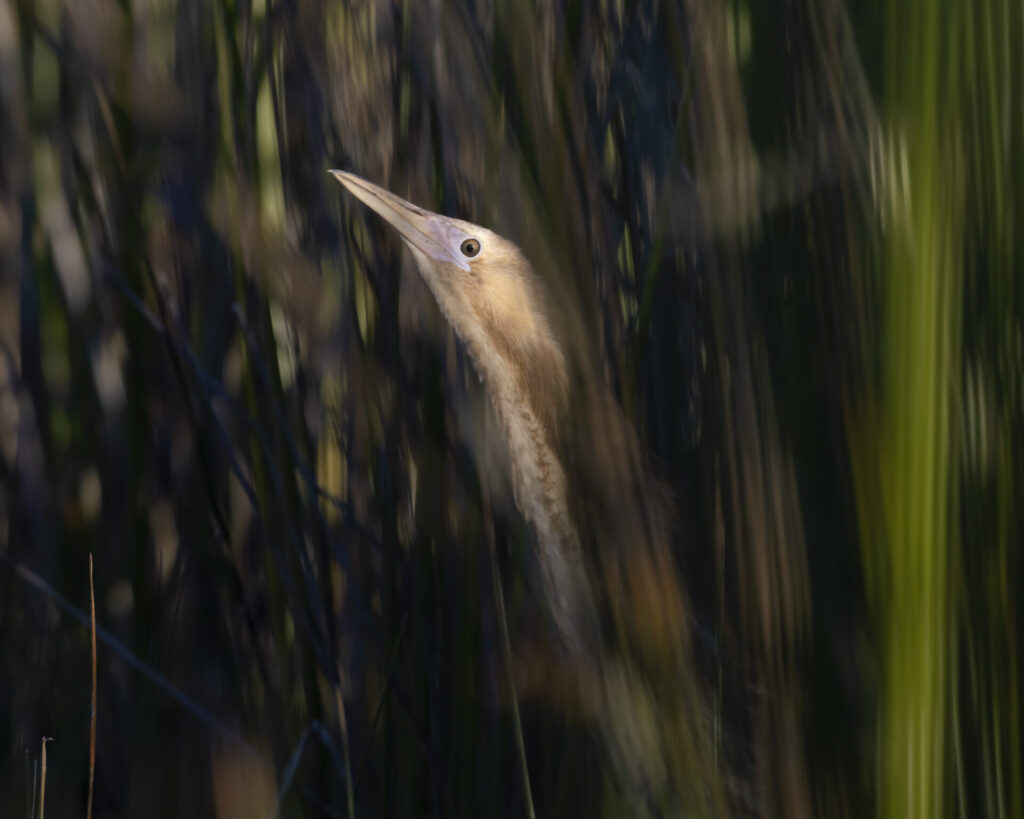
599,521
493,301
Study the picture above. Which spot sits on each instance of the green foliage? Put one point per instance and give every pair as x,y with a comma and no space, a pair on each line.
792,230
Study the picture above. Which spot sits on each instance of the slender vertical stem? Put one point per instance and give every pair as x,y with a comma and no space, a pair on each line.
506,652
92,705
506,648
42,779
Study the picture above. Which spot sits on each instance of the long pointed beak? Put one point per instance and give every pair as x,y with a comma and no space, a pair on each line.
420,228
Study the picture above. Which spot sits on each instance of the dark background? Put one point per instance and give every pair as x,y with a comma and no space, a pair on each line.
791,229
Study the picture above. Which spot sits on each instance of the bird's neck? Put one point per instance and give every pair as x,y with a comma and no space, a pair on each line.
541,493
538,478
527,388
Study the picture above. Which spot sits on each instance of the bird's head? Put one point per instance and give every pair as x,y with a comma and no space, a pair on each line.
487,290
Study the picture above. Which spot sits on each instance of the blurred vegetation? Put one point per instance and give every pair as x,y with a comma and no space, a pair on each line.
793,228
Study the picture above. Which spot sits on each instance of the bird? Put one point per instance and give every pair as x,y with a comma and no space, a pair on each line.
599,521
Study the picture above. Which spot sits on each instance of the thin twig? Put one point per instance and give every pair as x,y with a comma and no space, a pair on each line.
126,654
92,708
42,780
506,648
380,704
506,656
313,729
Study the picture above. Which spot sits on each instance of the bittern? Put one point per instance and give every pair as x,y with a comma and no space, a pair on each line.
598,520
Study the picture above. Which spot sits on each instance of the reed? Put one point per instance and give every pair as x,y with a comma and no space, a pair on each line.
792,229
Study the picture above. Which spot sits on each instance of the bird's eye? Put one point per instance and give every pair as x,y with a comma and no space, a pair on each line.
470,248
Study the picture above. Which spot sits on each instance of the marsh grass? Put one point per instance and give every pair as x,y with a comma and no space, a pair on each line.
793,232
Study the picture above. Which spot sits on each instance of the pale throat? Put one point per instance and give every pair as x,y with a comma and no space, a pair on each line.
538,480
539,486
